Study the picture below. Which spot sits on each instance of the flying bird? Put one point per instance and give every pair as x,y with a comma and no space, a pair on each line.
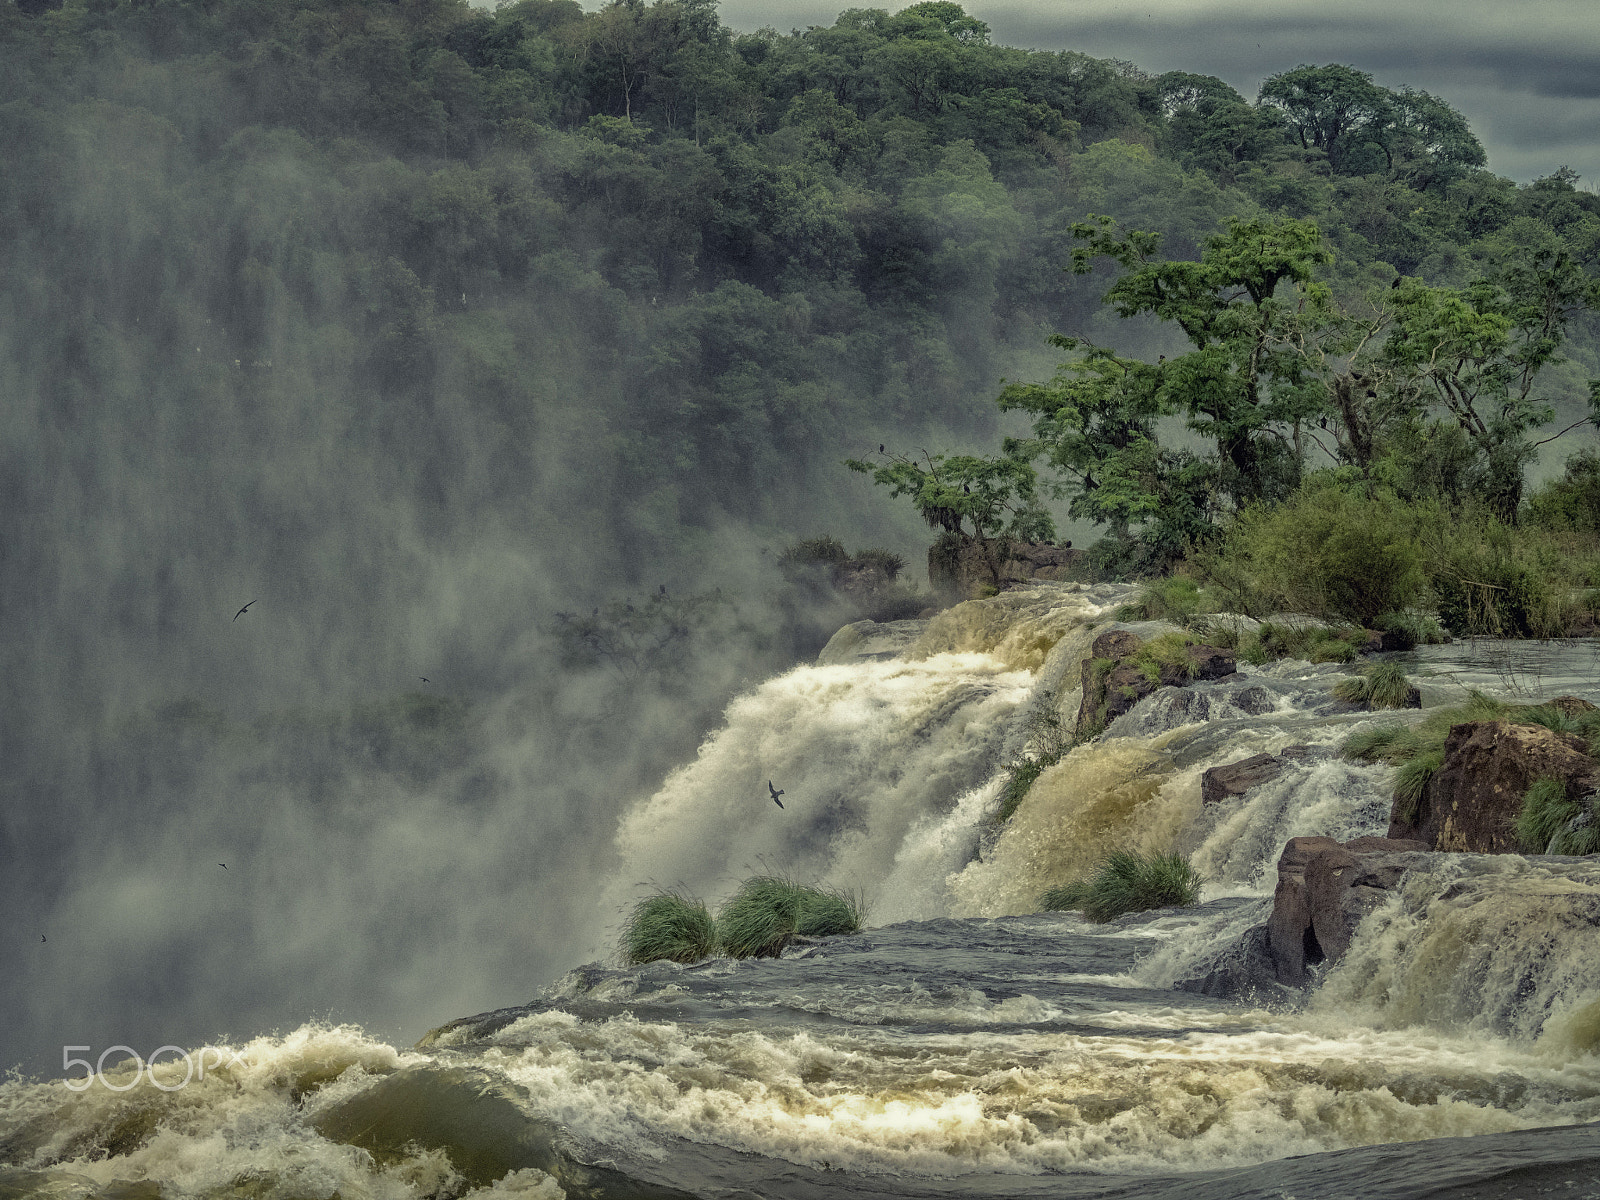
42,938
776,792
880,447
424,679
224,866
242,611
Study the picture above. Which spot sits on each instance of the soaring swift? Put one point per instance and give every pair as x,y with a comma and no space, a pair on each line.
242,611
776,792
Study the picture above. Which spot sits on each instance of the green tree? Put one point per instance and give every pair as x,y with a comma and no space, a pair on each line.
1476,354
981,501
1244,385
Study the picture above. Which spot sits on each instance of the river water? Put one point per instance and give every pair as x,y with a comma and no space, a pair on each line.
963,1044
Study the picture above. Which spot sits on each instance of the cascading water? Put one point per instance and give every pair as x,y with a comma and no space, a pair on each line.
962,1044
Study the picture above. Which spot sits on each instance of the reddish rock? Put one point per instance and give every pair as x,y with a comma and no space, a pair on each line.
1324,890
1119,643
1471,803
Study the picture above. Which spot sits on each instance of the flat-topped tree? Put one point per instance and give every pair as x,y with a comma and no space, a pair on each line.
977,501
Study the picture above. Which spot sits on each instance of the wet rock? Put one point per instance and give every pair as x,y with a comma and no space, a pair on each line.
1235,779
1325,888
1572,706
869,641
1471,803
1246,972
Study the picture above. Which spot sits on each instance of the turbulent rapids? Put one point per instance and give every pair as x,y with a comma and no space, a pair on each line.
964,1044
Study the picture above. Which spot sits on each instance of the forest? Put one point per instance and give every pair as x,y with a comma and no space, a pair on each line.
662,278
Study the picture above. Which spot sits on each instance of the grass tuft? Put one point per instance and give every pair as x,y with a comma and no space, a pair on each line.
668,926
1411,782
1391,744
758,920
1378,685
1125,882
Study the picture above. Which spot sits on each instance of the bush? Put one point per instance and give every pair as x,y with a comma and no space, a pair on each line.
1412,628
1324,551
824,549
758,920
668,926
891,563
1571,502
1125,882
1176,598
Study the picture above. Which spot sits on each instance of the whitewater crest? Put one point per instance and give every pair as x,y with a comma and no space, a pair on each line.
964,1042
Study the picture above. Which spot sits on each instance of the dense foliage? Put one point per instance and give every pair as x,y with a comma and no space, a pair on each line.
719,254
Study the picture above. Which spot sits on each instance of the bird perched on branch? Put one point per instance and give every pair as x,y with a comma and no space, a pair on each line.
776,792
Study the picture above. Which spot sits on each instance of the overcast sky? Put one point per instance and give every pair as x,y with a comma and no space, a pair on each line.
1525,73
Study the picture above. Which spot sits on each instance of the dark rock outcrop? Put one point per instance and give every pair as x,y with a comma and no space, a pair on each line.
1325,888
1471,803
966,569
1237,778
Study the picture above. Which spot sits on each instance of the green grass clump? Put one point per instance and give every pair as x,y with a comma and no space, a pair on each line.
1125,882
758,920
1379,685
669,926
1168,650
1411,783
1023,774
1176,598
1412,627
1545,812
1392,744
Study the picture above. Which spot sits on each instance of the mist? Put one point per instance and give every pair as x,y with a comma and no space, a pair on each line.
377,794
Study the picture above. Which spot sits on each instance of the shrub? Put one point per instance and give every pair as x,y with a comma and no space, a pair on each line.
824,549
1378,685
891,563
1411,627
1496,581
1176,598
1125,882
758,920
668,926
1325,551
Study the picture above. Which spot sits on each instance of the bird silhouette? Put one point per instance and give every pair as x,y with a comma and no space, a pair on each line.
776,792
242,611
880,447
42,938
424,679
224,866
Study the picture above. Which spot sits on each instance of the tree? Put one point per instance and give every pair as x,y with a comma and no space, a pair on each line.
1477,352
1095,424
1244,385
1335,109
979,501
